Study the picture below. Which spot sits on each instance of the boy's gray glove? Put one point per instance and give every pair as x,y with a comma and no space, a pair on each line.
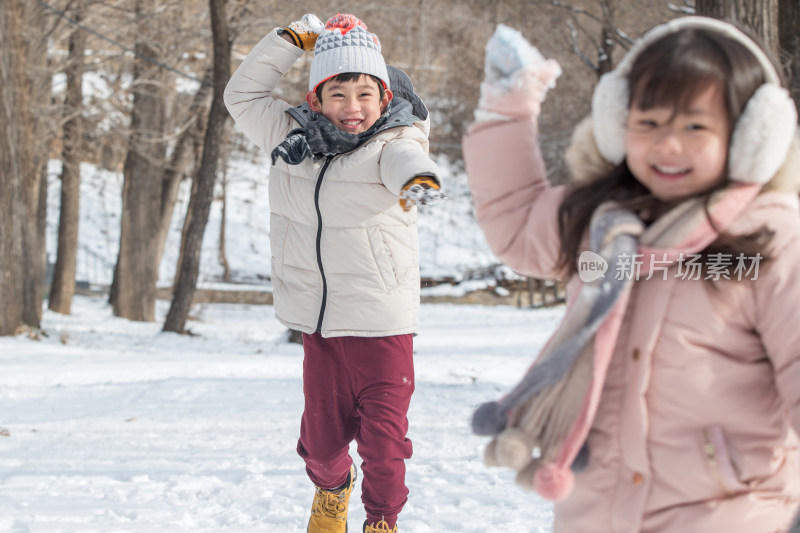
304,32
516,76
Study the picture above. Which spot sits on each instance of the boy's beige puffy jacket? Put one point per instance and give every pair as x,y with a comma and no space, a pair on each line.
345,256
696,430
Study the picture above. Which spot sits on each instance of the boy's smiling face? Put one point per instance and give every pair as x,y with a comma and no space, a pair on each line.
352,106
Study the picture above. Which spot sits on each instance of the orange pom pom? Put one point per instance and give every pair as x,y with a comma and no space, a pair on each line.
345,22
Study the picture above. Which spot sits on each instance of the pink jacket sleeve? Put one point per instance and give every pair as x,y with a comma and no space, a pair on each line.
514,203
777,312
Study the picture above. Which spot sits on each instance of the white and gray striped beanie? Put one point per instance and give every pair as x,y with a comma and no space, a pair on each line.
346,46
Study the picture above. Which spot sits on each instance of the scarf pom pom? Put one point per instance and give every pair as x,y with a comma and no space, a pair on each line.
489,419
513,449
553,483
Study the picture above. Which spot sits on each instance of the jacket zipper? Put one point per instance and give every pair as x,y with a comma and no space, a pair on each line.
319,243
319,222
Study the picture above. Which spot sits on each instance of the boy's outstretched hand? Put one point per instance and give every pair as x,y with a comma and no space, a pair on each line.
304,32
422,190
516,75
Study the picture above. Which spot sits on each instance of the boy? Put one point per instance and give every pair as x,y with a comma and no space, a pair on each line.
348,166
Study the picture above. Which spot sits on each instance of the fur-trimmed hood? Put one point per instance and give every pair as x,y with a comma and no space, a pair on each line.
586,164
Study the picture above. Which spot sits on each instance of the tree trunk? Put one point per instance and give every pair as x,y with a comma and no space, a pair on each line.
23,152
605,62
136,272
63,285
12,206
203,188
760,15
36,150
789,22
180,161
223,255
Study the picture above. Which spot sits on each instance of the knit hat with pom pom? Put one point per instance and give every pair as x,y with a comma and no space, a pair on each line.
346,46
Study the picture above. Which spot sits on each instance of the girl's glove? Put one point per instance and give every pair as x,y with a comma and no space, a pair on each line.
422,190
516,77
304,32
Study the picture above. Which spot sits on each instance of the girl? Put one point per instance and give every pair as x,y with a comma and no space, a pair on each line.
668,400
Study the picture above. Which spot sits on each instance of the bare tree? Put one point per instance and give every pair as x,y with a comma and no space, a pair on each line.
600,56
12,206
789,38
23,154
760,15
221,251
133,294
183,158
63,285
203,186
776,22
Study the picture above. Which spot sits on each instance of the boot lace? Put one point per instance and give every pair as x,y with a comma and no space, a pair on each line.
380,527
331,504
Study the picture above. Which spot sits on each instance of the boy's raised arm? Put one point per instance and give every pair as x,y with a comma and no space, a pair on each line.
249,93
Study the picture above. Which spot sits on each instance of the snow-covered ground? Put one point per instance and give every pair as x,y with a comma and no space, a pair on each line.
108,425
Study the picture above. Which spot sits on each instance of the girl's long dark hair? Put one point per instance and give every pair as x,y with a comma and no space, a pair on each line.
668,73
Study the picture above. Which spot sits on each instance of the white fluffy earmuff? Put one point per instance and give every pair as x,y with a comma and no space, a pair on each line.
762,134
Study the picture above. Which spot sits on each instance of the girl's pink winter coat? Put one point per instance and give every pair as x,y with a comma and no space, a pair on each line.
697,425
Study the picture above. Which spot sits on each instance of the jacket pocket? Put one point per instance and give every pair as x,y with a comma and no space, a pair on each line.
382,256
279,227
718,458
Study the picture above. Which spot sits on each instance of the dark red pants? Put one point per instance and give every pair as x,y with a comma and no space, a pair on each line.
358,388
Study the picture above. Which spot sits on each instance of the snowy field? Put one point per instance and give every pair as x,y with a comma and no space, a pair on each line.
108,425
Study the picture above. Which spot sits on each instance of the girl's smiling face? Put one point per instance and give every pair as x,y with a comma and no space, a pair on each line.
352,106
677,153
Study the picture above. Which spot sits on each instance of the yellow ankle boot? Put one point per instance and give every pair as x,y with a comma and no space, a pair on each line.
329,508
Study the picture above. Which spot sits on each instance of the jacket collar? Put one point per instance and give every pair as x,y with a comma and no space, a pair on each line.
400,114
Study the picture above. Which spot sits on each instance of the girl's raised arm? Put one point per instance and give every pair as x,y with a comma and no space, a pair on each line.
514,203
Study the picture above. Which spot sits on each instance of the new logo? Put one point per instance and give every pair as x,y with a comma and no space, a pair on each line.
591,266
